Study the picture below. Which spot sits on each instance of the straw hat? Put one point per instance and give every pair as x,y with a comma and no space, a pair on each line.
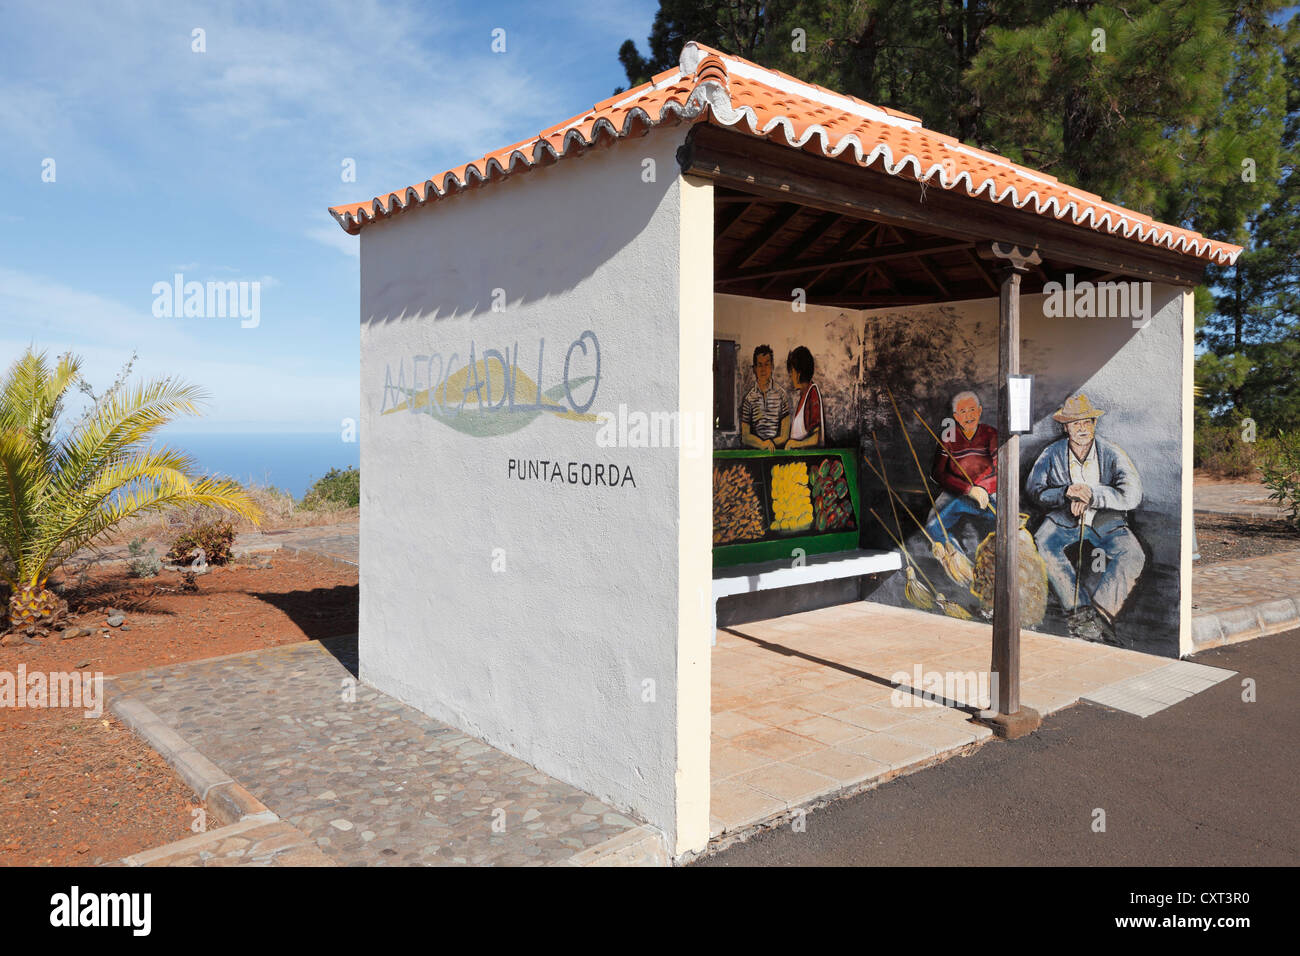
1076,409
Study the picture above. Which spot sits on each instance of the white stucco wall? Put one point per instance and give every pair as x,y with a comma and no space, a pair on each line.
541,616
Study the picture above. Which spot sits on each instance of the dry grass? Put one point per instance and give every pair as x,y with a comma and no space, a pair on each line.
279,512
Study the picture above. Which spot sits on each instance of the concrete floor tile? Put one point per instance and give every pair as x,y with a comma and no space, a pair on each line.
846,768
940,734
863,692
746,695
737,805
791,784
777,713
894,752
823,729
875,718
731,723
775,744
822,702
727,761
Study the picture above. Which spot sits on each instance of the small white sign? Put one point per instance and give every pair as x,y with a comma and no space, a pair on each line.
1020,414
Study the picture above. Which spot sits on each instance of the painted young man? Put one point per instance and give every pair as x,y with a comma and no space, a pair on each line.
1087,485
966,468
808,424
765,411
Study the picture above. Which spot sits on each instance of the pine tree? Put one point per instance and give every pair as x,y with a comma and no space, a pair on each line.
1251,366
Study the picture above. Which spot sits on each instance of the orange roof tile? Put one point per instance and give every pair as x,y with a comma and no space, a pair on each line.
728,91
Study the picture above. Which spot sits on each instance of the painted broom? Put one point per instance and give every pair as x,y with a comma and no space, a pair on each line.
955,563
952,610
918,595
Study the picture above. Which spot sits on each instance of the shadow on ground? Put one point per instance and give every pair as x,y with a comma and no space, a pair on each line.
320,613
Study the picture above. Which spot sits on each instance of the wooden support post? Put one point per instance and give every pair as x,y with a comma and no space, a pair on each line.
1010,719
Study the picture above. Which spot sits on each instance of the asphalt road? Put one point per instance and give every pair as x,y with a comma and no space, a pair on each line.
1209,781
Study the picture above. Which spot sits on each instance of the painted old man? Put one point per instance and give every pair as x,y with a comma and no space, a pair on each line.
1087,485
965,467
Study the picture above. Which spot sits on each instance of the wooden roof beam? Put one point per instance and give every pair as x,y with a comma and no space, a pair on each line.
808,239
765,234
766,169
730,218
934,277
983,273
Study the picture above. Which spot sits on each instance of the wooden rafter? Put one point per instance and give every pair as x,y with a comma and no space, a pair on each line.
765,233
934,276
780,174
847,243
983,273
729,218
807,239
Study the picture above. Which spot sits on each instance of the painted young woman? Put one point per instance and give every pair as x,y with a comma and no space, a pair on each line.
808,425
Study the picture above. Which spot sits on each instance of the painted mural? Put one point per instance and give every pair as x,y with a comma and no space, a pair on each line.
491,394
913,393
1084,481
767,498
773,417
961,492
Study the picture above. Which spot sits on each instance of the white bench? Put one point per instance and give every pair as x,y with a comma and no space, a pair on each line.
751,578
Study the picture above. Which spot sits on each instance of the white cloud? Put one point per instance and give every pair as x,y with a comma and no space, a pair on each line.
247,379
279,98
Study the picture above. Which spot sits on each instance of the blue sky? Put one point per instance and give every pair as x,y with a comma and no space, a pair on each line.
220,165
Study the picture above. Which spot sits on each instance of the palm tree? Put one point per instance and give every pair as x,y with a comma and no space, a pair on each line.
60,492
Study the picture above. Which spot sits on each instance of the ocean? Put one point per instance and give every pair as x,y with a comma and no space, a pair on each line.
289,461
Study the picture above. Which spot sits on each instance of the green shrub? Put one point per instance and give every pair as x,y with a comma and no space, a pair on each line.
1281,470
216,538
337,489
1221,450
142,565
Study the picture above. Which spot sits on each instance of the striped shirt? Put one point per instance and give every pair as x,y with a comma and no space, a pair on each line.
763,411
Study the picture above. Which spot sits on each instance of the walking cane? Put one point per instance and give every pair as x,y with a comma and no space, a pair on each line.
1078,571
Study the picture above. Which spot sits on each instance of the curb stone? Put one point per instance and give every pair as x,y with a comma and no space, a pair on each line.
1235,624
195,769
224,798
240,814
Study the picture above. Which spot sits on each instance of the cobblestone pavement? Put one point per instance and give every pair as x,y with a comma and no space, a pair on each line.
1248,581
371,782
1245,499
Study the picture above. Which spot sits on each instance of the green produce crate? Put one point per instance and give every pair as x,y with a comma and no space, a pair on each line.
837,507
